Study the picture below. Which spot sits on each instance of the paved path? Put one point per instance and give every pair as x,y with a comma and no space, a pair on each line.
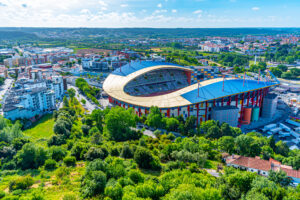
88,105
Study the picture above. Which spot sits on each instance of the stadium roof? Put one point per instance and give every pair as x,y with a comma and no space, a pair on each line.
208,90
136,66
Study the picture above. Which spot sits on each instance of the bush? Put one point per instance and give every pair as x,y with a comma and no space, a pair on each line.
114,151
58,153
70,197
143,158
93,184
50,164
94,153
135,176
21,183
70,161
2,194
126,151
9,165
78,150
114,191
31,156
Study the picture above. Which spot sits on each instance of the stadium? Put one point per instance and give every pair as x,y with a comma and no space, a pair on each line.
190,91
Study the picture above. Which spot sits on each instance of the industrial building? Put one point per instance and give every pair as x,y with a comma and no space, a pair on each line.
171,87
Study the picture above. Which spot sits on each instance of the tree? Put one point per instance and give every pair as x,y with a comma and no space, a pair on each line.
226,143
66,102
246,146
279,177
119,122
58,153
172,124
143,158
282,148
71,93
93,184
31,156
214,132
283,68
98,117
276,71
154,118
126,151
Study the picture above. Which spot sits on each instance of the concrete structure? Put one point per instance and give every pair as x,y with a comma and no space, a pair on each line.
141,85
227,114
269,106
33,97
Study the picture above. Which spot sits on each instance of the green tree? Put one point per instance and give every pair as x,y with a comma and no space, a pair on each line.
71,93
31,156
119,122
226,143
279,177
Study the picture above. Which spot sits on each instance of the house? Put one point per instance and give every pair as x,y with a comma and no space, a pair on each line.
261,167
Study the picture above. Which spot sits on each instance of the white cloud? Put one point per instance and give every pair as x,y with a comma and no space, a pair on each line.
197,11
174,11
255,8
159,11
124,5
159,5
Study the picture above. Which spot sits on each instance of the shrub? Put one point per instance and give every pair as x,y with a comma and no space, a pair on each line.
2,194
31,156
78,150
70,197
50,164
114,151
93,184
135,176
22,183
58,153
94,153
126,151
114,191
143,158
70,161
9,165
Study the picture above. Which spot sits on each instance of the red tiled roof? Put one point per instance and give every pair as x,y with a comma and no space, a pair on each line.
292,172
252,163
257,163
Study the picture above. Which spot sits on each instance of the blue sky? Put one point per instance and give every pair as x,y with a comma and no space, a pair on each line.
150,13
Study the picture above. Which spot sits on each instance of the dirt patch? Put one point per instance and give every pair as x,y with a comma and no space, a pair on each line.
35,185
48,184
93,51
6,190
80,164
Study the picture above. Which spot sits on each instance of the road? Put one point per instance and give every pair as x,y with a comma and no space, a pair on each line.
88,105
5,87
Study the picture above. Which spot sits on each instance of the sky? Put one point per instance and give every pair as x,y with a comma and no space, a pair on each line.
150,13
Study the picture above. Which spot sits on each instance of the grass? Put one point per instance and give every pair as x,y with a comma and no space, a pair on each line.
210,164
42,129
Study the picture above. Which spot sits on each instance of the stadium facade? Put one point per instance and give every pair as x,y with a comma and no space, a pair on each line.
140,85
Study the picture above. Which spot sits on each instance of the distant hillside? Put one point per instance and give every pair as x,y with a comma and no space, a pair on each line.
7,35
146,32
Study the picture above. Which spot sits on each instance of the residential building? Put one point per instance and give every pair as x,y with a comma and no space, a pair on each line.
261,167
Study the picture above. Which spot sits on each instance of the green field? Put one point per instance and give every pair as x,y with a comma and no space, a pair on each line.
42,129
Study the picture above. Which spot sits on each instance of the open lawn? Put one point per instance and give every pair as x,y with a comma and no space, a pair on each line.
42,129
